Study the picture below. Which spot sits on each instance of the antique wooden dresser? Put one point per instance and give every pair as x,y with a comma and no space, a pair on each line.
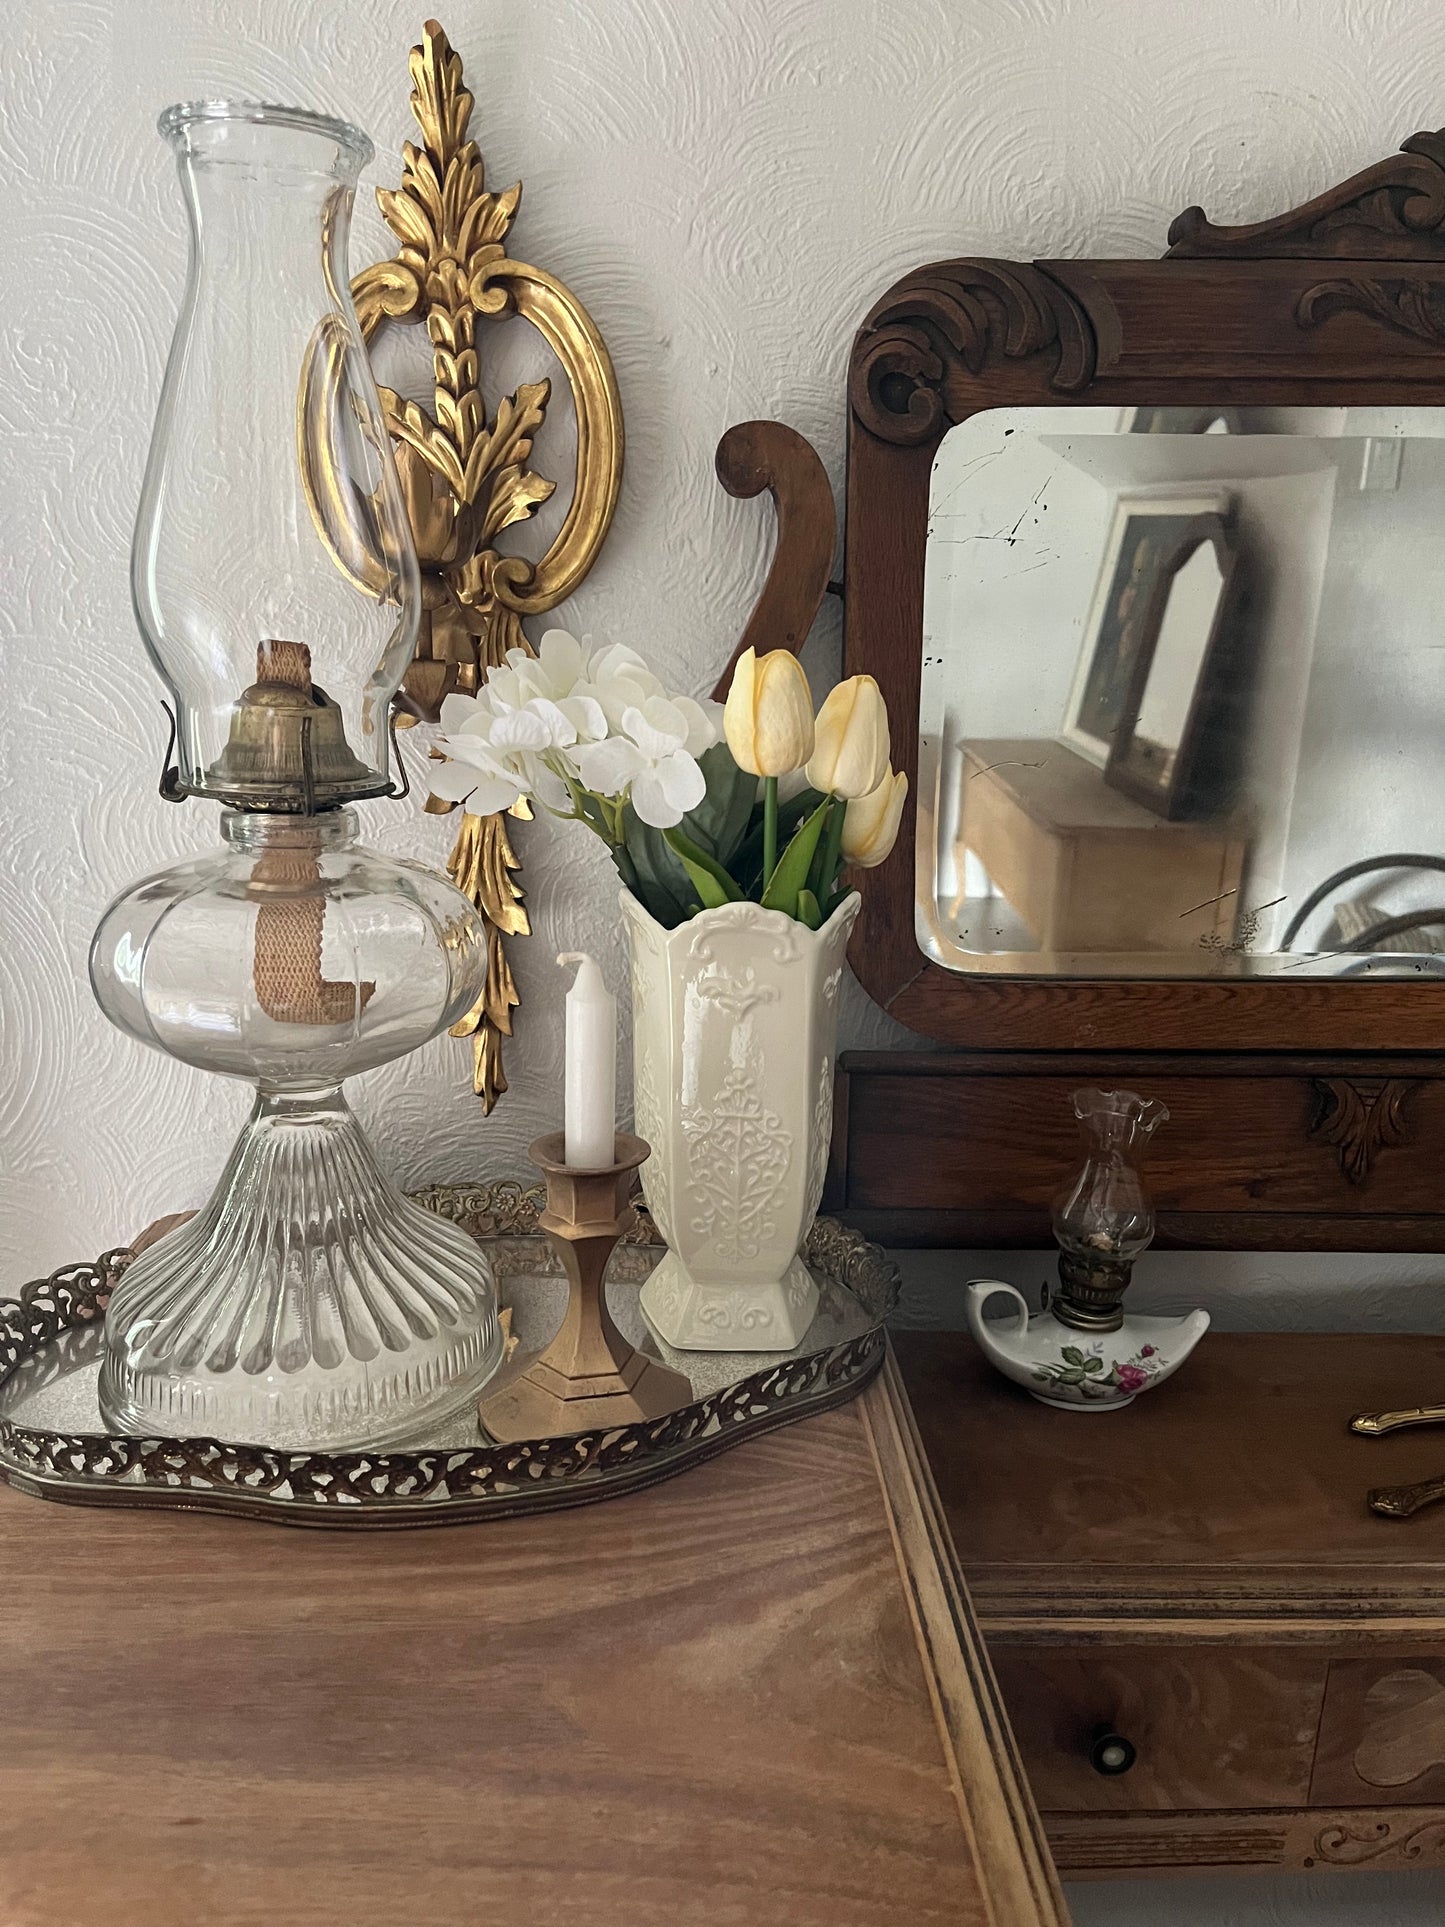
1212,1653
752,1694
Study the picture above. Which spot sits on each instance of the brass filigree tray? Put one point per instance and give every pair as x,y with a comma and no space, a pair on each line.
51,1444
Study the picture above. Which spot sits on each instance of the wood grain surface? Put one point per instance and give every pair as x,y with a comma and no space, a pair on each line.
1211,1728
751,457
1200,1574
1232,1497
751,1695
1085,866
1268,1150
1382,1738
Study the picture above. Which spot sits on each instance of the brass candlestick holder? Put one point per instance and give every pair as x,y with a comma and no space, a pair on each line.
589,1377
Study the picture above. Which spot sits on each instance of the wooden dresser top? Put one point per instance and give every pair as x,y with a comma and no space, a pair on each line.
1233,1497
753,1694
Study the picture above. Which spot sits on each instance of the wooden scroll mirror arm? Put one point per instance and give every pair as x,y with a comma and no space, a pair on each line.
751,457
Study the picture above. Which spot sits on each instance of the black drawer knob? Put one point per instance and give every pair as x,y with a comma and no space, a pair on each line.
1111,1753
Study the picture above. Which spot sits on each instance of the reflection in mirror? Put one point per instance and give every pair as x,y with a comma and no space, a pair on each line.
1158,750
1183,682
1190,611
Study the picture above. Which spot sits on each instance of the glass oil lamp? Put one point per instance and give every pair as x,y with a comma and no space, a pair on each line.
1103,1219
308,1304
1084,1352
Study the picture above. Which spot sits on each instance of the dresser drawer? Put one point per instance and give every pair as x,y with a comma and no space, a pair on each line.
1262,1151
1209,1728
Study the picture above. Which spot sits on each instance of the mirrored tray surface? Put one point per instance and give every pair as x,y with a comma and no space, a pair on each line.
52,1444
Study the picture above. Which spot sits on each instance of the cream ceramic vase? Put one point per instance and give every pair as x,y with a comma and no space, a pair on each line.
735,1024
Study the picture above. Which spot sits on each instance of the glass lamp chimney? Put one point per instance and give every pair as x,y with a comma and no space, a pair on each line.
271,514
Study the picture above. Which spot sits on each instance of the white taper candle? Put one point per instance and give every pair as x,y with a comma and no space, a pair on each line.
591,1078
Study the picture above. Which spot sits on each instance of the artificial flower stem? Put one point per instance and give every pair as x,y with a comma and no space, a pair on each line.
770,828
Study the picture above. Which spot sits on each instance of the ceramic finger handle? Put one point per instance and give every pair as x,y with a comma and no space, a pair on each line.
980,1290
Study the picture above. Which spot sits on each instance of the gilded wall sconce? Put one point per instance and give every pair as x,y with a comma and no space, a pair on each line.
465,469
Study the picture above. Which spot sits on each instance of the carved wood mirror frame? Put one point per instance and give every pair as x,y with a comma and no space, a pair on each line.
1341,301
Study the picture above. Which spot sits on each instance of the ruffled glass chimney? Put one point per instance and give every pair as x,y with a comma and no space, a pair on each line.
1102,1218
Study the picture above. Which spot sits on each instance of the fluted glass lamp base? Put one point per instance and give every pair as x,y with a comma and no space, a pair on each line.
309,1305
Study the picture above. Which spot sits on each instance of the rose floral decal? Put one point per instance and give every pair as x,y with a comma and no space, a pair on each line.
1087,1373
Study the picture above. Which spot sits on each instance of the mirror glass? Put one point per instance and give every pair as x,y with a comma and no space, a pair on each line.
1183,693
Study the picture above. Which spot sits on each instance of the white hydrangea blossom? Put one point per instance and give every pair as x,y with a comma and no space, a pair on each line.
573,718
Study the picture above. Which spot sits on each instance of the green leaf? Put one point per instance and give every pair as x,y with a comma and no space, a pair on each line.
720,822
808,910
747,864
1071,1355
791,875
662,891
1093,1364
657,867
818,884
707,876
711,893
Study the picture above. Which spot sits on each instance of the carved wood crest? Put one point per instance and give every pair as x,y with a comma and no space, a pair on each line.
1362,1840
922,348
1361,1117
1394,209
944,324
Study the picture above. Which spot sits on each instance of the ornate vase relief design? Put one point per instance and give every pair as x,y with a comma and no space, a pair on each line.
736,1142
822,1131
733,1151
735,1025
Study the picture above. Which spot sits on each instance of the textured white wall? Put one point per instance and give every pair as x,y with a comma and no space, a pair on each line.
728,185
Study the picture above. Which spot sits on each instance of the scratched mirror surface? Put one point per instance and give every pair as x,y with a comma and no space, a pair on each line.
1183,691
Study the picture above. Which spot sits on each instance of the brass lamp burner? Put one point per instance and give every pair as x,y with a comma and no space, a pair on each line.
1092,1284
288,747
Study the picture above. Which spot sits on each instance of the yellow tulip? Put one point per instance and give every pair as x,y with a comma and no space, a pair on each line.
850,755
870,823
768,717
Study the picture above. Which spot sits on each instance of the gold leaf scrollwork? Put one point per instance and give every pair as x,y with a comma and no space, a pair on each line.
466,475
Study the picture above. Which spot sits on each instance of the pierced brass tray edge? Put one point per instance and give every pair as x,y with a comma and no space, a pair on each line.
396,1490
